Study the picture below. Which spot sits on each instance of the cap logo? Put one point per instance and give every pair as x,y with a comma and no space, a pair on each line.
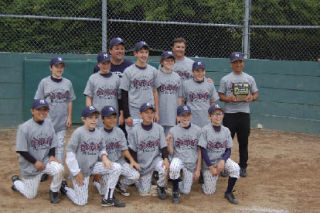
42,101
170,53
110,108
105,55
199,63
59,59
185,108
237,55
91,108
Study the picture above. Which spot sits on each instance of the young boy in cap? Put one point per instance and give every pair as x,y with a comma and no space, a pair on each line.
238,90
84,149
148,147
182,142
137,86
216,143
168,84
198,94
59,94
117,148
102,88
36,143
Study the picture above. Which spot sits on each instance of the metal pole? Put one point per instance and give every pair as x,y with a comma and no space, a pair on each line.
246,30
104,25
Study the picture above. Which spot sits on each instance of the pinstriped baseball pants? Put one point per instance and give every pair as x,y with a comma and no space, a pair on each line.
79,194
60,145
210,182
176,166
28,187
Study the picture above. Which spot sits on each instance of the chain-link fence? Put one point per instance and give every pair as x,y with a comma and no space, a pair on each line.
274,29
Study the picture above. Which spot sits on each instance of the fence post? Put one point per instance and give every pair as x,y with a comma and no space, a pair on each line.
246,30
104,26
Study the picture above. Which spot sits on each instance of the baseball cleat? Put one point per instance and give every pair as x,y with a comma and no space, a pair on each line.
161,193
231,198
243,172
112,202
54,197
176,197
63,187
122,190
224,173
14,178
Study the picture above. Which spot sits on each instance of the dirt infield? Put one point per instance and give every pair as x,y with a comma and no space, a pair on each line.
283,176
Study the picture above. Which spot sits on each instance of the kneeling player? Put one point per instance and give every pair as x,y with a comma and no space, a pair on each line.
216,143
116,147
182,143
83,150
147,142
36,144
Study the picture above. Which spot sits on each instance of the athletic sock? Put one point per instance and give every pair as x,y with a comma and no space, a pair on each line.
175,185
110,193
231,182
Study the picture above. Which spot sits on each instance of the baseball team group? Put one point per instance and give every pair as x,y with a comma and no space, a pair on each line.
141,126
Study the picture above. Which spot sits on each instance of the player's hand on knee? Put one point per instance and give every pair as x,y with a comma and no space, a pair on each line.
52,158
97,178
106,162
80,179
129,121
213,171
134,164
220,166
39,165
166,164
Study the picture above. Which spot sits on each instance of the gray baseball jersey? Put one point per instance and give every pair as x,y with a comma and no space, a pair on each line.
147,144
168,85
215,143
58,95
37,140
185,144
198,97
184,68
86,145
115,142
139,83
244,82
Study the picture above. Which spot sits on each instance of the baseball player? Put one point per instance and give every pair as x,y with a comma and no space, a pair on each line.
103,87
116,147
216,143
84,148
58,92
168,84
137,86
182,142
237,90
36,143
146,143
199,94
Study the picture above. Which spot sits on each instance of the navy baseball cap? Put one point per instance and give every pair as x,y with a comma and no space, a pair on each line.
140,44
86,112
236,56
103,57
198,64
213,108
183,109
167,54
107,111
115,41
38,103
57,60
146,106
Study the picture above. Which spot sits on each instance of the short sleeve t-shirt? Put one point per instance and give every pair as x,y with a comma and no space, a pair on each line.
184,68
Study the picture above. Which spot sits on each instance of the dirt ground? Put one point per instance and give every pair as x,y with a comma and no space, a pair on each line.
283,176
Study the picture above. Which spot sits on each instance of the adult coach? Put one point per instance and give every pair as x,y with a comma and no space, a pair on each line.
237,90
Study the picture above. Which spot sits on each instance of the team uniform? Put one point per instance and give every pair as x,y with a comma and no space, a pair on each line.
104,90
58,93
184,68
168,85
237,114
83,150
139,83
119,69
116,142
147,144
185,155
215,142
37,139
198,96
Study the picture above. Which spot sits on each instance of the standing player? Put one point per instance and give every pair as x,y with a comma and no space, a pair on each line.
137,86
198,94
146,142
168,84
116,147
58,92
103,87
186,155
84,148
36,144
237,90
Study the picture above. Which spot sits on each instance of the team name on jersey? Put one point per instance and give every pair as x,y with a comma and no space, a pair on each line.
41,143
90,148
199,96
186,143
216,145
101,93
58,96
113,146
149,146
168,88
142,84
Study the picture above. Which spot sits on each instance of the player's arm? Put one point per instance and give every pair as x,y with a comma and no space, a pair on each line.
88,100
38,164
169,139
196,174
125,105
180,101
156,104
133,163
105,160
69,119
206,158
74,168
253,97
227,99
